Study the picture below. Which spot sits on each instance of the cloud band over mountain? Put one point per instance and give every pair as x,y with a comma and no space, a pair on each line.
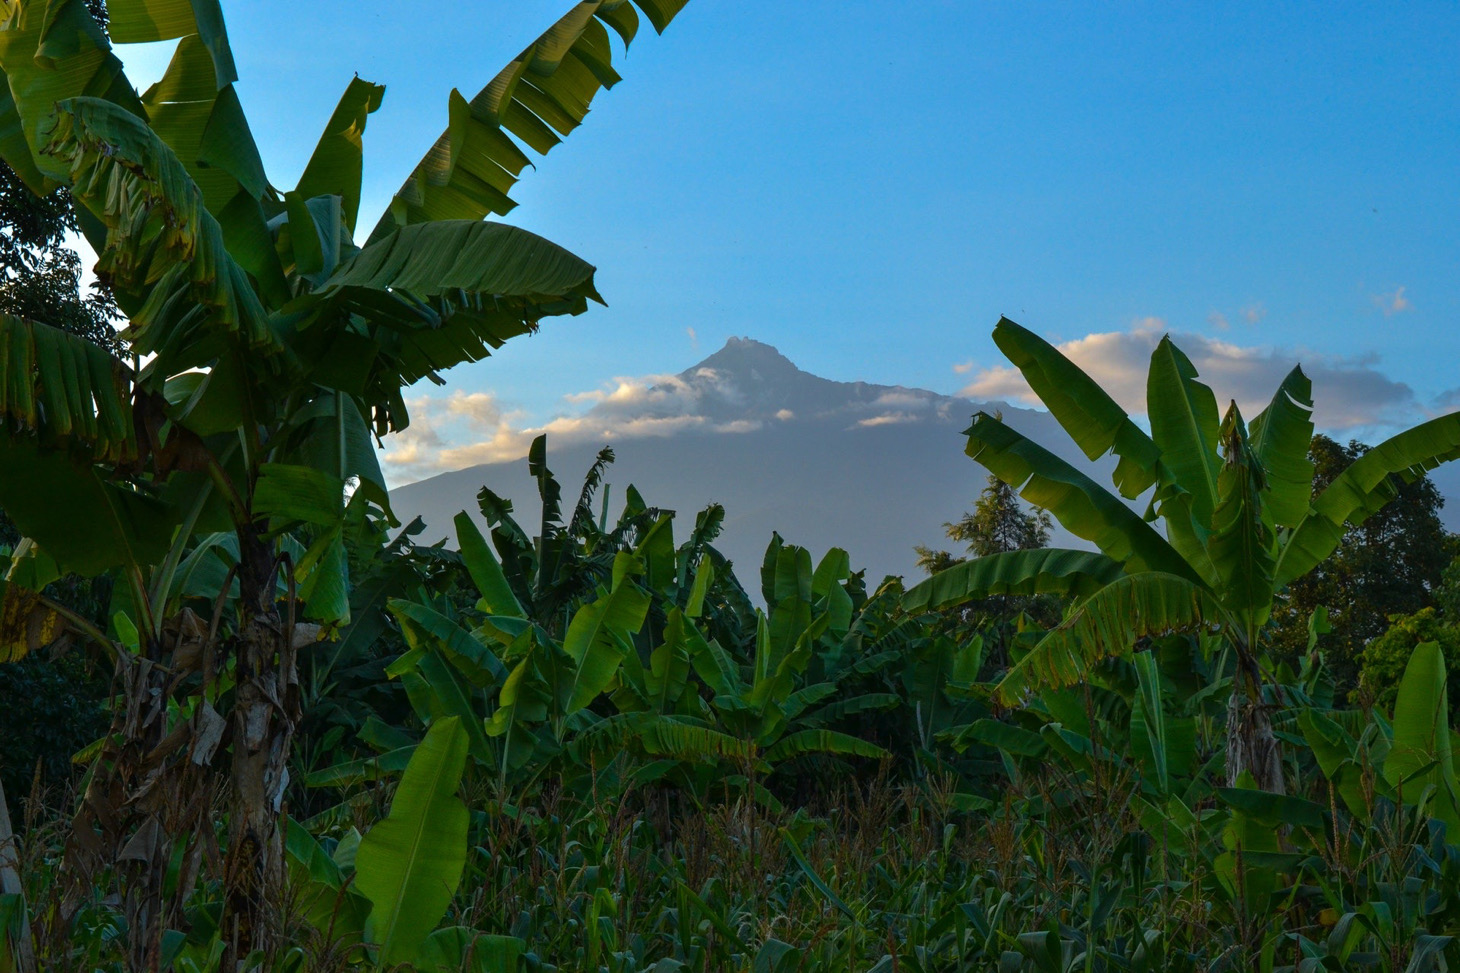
748,386
743,388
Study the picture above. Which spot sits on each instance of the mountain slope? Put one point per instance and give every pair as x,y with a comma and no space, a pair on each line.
874,469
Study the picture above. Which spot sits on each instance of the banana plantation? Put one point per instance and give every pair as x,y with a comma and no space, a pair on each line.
295,737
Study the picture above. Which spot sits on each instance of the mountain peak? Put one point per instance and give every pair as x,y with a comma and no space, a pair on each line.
747,358
750,381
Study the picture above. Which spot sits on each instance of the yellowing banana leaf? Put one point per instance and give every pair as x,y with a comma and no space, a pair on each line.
165,252
51,50
28,621
144,21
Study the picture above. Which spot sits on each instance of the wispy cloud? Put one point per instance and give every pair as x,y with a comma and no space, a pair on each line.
460,430
1349,392
694,339
468,429
963,367
887,419
1250,314
1393,303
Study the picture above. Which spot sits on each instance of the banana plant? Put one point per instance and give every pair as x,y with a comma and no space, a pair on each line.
1240,522
264,347
772,706
1408,760
546,694
568,558
563,621
410,864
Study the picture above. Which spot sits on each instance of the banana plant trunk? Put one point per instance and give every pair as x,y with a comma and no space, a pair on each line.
265,713
1251,745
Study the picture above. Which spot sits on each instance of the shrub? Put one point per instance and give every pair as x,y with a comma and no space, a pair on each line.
1383,660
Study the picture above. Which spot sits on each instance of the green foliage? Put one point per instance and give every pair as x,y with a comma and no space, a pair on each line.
225,436
1105,841
1239,524
1383,660
40,275
410,864
49,710
1391,564
1420,766
669,777
579,745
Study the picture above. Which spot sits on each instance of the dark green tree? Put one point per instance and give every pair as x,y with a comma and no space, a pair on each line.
49,707
40,272
998,523
1389,565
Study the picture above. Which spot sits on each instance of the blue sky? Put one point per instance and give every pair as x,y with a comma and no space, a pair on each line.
868,186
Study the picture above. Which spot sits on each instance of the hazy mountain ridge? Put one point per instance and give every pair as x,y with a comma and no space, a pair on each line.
875,469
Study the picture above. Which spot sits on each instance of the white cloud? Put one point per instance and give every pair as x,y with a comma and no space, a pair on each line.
1349,392
694,339
1218,320
1393,303
468,429
888,419
963,367
425,446
1254,313
904,399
